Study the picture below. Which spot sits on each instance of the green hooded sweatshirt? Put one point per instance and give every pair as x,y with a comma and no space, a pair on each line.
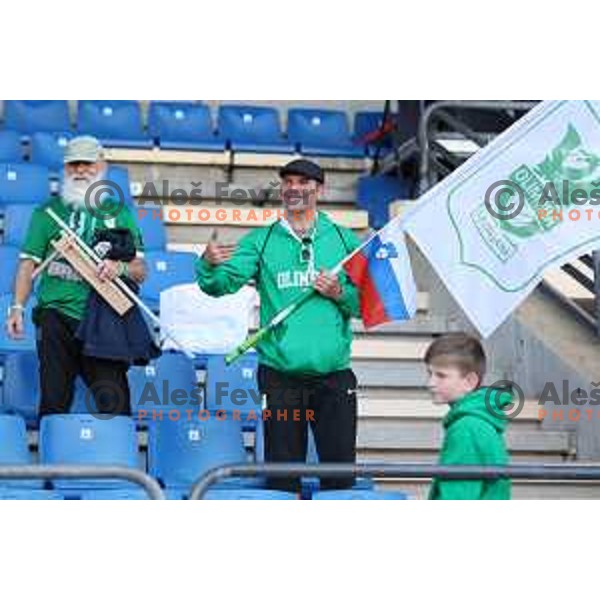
474,436
316,339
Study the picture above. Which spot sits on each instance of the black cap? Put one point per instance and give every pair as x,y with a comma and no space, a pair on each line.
305,168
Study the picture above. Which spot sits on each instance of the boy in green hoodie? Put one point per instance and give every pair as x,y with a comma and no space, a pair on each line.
475,424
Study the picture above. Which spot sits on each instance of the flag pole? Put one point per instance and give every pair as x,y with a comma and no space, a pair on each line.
252,340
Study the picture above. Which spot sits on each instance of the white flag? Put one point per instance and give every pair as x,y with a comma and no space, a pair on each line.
527,202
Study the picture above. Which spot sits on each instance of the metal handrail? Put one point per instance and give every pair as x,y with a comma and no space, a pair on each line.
429,113
150,485
535,472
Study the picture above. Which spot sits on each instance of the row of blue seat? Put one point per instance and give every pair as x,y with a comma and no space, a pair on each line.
189,126
166,384
179,453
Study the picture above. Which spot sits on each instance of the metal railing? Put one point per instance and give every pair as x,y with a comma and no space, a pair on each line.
149,484
533,472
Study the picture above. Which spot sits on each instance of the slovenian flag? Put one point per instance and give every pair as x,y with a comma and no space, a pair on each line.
382,272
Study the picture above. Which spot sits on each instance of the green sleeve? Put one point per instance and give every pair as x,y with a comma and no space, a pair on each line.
127,219
37,237
229,277
460,448
349,301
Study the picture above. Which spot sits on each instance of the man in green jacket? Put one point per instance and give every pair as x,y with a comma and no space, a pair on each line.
304,364
475,424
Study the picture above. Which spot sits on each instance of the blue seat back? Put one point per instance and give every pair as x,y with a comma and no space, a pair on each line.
153,229
88,440
111,120
48,149
179,452
180,122
16,222
166,269
11,149
166,384
29,116
23,183
318,127
14,450
253,124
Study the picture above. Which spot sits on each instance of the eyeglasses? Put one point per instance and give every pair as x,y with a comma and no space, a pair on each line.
306,253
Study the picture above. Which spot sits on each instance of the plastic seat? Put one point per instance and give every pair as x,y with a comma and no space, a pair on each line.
22,494
132,494
14,450
367,123
16,222
30,116
116,123
22,388
23,183
166,269
180,452
183,126
252,129
376,193
248,494
322,133
152,227
9,258
48,149
27,343
234,387
88,440
153,386
11,150
119,180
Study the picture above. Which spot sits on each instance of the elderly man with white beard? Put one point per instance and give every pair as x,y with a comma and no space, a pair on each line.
62,294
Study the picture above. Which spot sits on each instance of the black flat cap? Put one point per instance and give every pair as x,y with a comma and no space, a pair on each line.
305,168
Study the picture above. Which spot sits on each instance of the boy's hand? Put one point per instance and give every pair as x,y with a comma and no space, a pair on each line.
328,285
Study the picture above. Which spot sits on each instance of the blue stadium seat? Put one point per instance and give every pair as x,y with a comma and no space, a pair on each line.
9,257
354,494
88,440
21,389
119,176
233,387
375,194
166,269
366,123
14,450
11,149
322,133
22,494
248,494
116,123
48,149
30,116
153,387
179,452
183,126
22,183
28,342
252,129
16,219
153,229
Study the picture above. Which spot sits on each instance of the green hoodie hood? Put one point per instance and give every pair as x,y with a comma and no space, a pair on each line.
484,403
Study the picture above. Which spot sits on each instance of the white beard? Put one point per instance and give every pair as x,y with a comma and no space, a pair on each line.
74,191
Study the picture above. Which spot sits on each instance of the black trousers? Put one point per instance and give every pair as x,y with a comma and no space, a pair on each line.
61,361
327,403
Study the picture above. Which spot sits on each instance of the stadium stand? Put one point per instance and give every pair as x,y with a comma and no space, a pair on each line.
14,450
32,116
15,219
252,129
8,259
183,126
114,122
152,227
